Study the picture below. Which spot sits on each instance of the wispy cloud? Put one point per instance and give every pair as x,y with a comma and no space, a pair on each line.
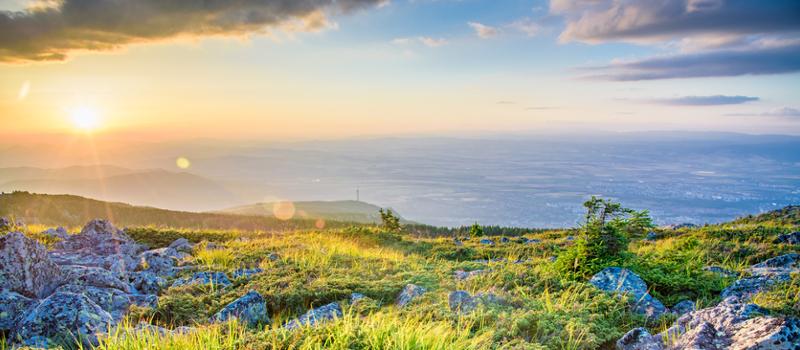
715,100
484,31
48,33
703,64
779,112
526,26
432,42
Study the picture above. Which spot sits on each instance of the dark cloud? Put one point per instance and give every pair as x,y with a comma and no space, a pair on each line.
715,100
631,20
704,64
57,28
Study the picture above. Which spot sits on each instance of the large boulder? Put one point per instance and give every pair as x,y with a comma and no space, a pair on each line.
25,267
316,316
160,261
94,276
58,232
683,307
790,238
102,238
622,281
147,282
409,293
181,245
111,300
60,318
250,308
764,275
12,307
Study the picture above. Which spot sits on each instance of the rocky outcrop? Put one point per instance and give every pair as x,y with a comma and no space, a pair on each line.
720,271
60,317
25,267
246,273
102,238
251,309
409,293
764,275
486,241
789,238
181,245
639,339
463,275
316,316
624,282
160,261
58,232
12,307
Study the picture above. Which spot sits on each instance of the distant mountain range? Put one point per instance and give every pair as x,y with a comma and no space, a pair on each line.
354,211
75,211
158,188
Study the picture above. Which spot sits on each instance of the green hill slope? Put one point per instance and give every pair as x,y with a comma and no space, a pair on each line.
354,211
75,211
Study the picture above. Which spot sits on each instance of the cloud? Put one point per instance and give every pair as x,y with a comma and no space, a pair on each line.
425,40
53,29
596,21
703,64
484,31
715,100
526,26
779,112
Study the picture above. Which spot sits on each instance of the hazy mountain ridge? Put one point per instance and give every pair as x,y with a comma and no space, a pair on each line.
346,210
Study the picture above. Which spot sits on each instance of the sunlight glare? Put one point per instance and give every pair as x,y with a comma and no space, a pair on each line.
183,163
85,119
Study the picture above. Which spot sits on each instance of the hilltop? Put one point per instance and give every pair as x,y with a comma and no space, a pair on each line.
349,210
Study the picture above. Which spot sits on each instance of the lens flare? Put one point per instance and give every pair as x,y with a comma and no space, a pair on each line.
24,90
320,224
283,210
84,119
183,163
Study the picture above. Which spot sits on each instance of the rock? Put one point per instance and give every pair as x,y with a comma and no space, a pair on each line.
463,275
682,225
149,329
790,238
60,317
273,257
504,240
533,241
147,282
215,278
624,282
720,271
570,238
161,261
683,307
250,308
12,307
94,276
356,297
113,301
461,301
457,242
316,316
59,233
5,224
787,261
181,245
486,241
767,333
639,339
493,260
102,238
409,293
747,287
246,273
651,236
25,267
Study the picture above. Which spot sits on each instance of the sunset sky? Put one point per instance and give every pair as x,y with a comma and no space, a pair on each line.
321,68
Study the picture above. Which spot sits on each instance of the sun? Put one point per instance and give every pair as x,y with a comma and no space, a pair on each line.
85,119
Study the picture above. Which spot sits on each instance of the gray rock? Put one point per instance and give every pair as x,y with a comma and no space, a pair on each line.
273,257
102,238
113,301
215,278
683,307
651,236
720,271
533,241
570,238
747,287
5,224
61,317
624,282
147,282
181,245
25,267
457,242
682,225
161,261
94,276
639,339
316,316
463,275
461,301
246,273
789,238
504,240
356,297
250,308
486,241
58,232
787,261
409,293
12,307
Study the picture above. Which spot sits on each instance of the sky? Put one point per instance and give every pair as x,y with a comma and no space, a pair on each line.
315,69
